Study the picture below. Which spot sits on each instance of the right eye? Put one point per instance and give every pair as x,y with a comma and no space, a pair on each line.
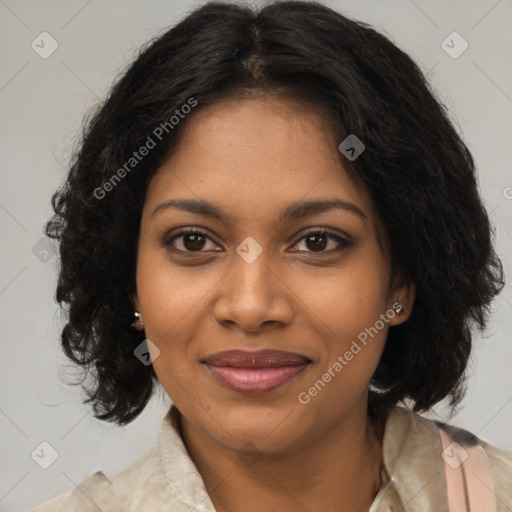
188,241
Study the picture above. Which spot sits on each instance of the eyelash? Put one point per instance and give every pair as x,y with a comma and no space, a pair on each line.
343,242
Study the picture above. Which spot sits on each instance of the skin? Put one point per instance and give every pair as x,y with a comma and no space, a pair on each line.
251,158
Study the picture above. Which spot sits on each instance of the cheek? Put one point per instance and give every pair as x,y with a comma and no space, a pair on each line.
167,297
351,297
351,303
175,300
170,294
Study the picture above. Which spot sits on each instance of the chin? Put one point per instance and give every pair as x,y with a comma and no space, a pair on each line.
267,426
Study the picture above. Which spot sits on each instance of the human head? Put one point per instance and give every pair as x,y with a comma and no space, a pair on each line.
416,169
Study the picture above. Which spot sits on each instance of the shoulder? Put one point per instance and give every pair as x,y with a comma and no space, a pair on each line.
501,463
414,445
500,460
164,478
99,492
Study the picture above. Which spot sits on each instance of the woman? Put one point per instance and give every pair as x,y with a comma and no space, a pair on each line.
272,217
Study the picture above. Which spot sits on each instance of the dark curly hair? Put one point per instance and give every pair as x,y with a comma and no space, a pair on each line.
420,174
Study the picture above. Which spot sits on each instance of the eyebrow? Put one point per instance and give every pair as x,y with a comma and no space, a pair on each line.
295,211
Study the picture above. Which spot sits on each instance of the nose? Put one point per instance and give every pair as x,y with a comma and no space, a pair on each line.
254,296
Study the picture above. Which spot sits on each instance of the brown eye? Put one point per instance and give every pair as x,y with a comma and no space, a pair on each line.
194,242
318,241
188,241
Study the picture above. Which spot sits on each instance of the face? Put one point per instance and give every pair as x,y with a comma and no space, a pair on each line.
273,247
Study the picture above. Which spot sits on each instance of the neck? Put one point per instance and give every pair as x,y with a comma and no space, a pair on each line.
339,470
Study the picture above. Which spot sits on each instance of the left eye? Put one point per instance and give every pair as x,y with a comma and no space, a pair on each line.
318,241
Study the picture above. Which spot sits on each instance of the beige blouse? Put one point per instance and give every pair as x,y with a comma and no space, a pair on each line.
166,479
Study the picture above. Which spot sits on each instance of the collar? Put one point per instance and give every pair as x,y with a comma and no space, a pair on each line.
415,479
181,472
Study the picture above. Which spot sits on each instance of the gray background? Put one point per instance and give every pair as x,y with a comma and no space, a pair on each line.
42,103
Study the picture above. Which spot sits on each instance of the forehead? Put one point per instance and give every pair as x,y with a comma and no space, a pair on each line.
253,153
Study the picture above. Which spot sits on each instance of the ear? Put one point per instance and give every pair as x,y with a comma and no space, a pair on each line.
403,294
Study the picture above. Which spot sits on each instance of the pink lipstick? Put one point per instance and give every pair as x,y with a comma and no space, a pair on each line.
255,372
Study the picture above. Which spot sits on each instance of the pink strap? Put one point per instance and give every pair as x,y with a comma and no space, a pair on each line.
469,482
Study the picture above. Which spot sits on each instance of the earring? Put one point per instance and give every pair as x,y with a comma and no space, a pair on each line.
138,323
397,308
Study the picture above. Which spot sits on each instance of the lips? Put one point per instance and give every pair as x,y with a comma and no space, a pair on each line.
260,359
255,372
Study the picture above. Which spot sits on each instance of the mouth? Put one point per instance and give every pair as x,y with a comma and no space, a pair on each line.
255,372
